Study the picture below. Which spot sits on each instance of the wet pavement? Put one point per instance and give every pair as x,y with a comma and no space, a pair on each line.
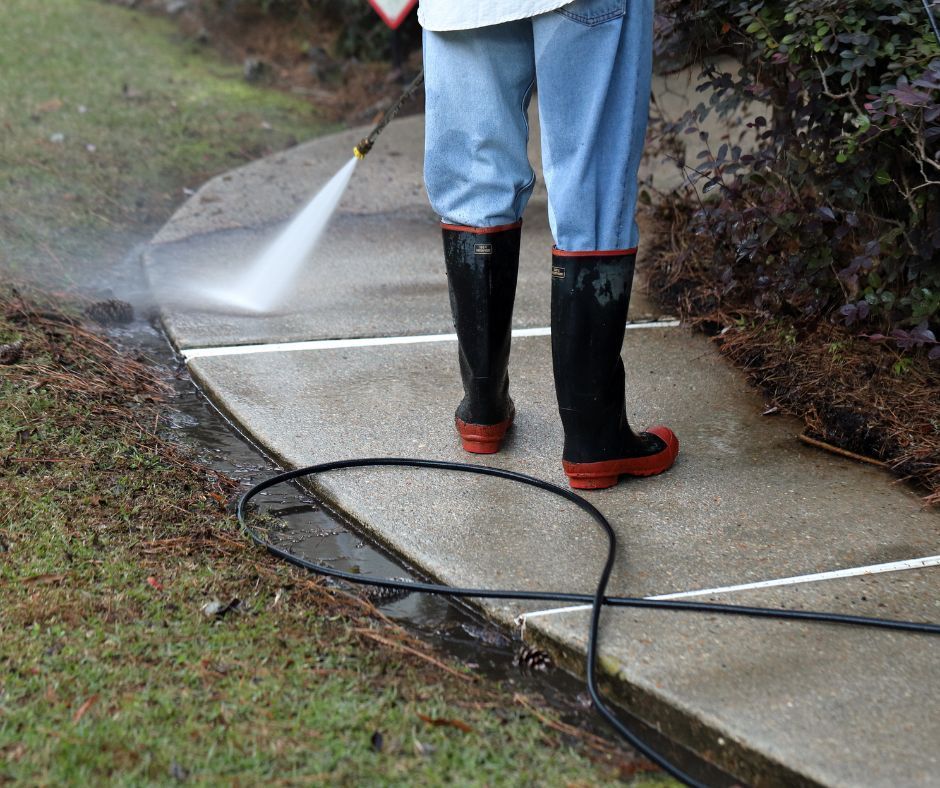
773,702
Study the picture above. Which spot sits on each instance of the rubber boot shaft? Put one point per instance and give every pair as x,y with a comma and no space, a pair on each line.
590,299
482,268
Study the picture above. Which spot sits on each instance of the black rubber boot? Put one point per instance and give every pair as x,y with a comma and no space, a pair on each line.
590,297
482,267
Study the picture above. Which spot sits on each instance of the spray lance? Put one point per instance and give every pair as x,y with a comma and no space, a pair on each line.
366,143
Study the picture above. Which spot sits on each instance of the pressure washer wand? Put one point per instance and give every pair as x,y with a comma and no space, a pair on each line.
366,143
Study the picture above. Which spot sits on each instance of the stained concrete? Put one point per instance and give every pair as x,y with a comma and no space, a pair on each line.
777,703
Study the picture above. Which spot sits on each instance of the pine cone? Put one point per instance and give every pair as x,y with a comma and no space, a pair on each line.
111,312
378,595
530,659
12,352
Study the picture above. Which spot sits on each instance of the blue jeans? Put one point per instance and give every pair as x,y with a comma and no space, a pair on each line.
593,63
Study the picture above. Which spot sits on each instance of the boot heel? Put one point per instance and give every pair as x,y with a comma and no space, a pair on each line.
483,438
477,446
592,482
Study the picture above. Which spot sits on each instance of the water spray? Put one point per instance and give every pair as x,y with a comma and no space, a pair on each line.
263,286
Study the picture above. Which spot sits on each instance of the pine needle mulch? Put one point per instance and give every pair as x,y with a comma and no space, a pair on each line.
856,397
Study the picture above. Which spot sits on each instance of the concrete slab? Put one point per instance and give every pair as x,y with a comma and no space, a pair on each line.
377,271
745,502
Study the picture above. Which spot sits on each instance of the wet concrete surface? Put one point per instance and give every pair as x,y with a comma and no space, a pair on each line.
303,527
774,702
746,502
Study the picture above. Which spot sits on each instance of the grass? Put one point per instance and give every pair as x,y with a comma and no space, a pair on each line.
106,115
112,540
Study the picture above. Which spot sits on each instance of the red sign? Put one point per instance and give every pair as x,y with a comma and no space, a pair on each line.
393,12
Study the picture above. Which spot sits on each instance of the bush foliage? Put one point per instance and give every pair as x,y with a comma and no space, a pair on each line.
836,211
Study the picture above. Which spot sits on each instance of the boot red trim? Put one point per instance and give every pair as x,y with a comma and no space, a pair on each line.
482,438
600,475
481,230
556,252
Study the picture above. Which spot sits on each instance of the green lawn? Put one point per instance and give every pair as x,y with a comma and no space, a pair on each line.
106,116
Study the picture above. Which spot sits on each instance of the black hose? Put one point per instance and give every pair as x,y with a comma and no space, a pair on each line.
598,600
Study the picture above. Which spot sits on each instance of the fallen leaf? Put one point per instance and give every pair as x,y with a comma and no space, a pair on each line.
212,608
12,352
83,709
52,105
43,580
218,610
152,581
441,722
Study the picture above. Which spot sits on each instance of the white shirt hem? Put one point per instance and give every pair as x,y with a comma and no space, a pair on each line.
442,15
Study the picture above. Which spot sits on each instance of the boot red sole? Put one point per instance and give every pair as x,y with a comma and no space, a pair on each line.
601,475
482,438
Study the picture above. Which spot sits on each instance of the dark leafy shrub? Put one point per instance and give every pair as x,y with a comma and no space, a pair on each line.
835,212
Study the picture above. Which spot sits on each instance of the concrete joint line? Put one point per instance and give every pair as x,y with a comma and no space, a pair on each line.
874,569
337,344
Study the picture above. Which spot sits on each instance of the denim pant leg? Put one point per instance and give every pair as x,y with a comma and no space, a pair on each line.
594,65
477,85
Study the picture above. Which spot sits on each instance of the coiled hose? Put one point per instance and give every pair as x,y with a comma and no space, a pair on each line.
598,600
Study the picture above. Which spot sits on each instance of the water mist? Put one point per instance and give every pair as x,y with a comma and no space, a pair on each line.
269,279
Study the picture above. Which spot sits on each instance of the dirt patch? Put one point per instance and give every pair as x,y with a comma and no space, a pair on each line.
853,394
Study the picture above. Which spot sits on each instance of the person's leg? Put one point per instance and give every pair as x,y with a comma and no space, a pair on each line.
594,65
478,84
594,60
477,88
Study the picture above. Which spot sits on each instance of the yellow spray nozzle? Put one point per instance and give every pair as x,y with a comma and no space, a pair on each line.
364,146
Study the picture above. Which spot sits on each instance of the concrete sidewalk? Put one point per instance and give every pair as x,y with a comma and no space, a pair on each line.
775,703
